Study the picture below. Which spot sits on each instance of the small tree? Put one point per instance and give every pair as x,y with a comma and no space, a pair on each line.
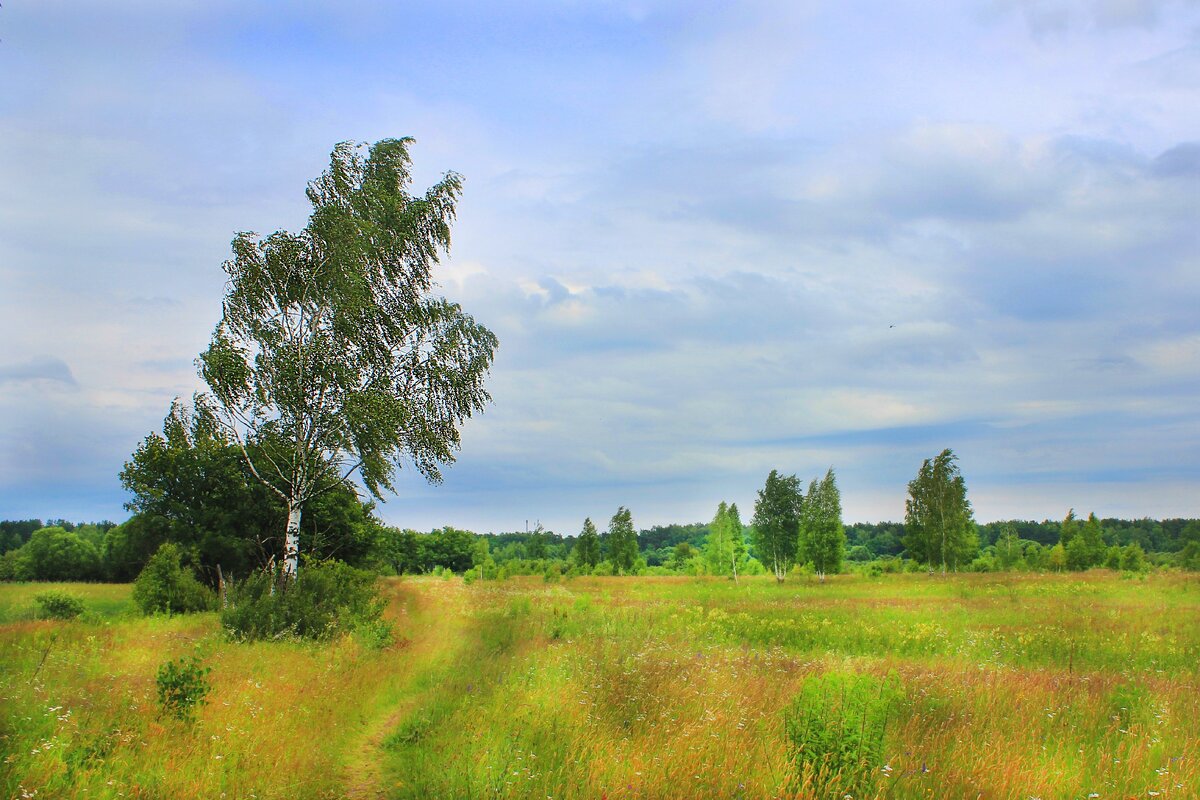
165,586
1189,554
737,554
822,536
776,523
938,524
622,541
587,547
1008,547
331,358
481,556
56,554
718,548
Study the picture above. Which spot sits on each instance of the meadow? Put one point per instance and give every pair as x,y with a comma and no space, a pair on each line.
901,686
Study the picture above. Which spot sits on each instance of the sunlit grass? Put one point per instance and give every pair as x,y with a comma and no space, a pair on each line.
1009,686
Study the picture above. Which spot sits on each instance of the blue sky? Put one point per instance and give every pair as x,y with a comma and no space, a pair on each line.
714,239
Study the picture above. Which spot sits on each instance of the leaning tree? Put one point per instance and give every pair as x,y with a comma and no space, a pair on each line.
333,358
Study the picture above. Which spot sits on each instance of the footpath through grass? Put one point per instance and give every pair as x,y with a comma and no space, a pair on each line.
901,687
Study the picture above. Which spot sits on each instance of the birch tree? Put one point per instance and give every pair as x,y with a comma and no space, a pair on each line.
718,548
587,546
737,552
822,535
938,524
622,542
775,526
333,358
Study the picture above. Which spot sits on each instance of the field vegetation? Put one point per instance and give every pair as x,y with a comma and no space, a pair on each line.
897,686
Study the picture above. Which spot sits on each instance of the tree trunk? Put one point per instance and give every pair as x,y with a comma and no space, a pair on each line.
291,541
733,564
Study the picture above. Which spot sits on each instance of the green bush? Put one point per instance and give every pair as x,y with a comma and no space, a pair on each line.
59,605
1133,558
15,566
836,728
327,598
166,587
182,686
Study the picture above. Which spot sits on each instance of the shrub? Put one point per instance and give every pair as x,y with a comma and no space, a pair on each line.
1133,558
15,566
859,553
182,686
326,599
836,727
164,586
59,605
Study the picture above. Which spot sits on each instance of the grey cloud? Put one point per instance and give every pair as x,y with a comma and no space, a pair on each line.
40,368
1180,161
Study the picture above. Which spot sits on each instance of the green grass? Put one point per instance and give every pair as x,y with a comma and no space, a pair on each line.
998,686
101,600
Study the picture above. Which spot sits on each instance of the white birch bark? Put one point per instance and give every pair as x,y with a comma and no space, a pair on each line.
291,542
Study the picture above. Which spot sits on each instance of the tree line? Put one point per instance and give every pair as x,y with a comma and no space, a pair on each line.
191,487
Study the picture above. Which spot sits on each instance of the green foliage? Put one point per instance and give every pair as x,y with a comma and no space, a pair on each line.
1009,551
775,527
1069,529
183,686
192,486
165,586
587,547
938,524
822,537
1056,559
622,542
412,553
718,549
327,599
16,532
1133,558
59,605
56,554
859,553
332,356
836,729
14,566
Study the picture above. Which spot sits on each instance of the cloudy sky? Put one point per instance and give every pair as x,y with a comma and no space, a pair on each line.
714,239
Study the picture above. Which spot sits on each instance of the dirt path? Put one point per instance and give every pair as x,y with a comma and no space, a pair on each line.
437,617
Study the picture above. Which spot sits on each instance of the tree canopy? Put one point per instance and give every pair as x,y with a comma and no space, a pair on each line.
938,523
822,537
622,541
332,358
775,527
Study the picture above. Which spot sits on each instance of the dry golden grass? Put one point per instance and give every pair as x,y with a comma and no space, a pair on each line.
1013,687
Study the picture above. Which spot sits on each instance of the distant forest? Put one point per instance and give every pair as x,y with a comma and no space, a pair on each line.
63,550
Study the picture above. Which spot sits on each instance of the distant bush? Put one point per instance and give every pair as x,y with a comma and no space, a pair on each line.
328,598
59,605
182,686
836,729
15,566
1133,558
858,553
165,586
753,567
